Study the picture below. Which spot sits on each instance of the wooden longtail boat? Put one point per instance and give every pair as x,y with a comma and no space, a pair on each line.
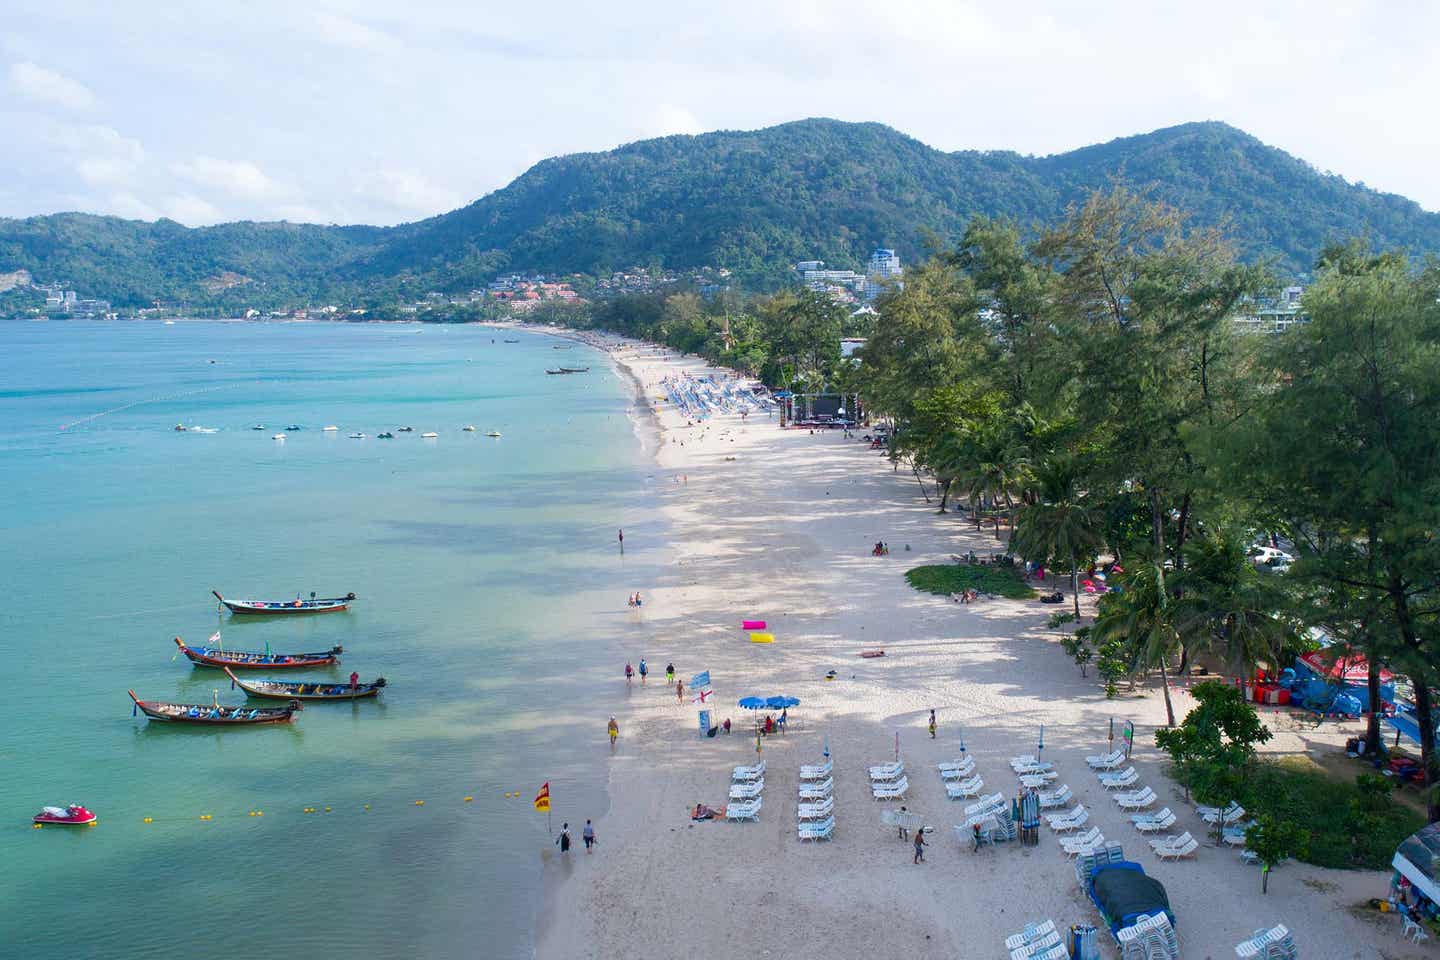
205,713
272,607
242,660
306,689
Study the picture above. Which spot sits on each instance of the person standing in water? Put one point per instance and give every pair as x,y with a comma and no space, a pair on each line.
932,724
613,729
622,541
644,670
588,835
629,673
563,841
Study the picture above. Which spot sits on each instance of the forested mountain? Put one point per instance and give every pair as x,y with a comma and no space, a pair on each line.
752,201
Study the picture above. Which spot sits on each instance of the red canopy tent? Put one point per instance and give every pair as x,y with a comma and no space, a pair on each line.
1347,667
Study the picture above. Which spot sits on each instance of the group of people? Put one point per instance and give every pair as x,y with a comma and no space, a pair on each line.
635,600
587,834
630,671
881,549
968,595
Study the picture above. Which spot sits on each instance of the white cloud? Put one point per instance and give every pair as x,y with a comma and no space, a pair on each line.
342,31
126,204
412,192
46,86
669,119
236,177
190,210
99,155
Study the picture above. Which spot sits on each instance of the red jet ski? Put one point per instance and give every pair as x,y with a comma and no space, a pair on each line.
73,815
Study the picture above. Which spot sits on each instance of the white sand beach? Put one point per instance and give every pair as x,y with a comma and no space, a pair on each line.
777,525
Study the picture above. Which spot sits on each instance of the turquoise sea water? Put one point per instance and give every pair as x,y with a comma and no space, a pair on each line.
488,579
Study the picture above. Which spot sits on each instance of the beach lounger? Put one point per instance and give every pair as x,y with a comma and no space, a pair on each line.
1038,947
817,830
744,810
1023,761
1153,822
745,791
1074,820
1108,761
986,803
890,791
887,771
1230,814
1234,835
746,774
1056,798
1114,781
1021,765
1089,838
817,771
1037,780
1057,952
816,811
955,769
1136,801
817,790
1032,934
1184,846
964,789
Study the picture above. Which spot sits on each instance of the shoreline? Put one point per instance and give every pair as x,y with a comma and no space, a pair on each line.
776,525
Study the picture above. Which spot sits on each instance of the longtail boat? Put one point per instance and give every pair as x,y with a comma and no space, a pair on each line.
306,689
272,607
213,714
243,660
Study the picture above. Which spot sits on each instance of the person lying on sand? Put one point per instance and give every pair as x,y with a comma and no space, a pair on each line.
702,812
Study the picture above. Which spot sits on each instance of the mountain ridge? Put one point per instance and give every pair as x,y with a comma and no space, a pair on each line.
752,201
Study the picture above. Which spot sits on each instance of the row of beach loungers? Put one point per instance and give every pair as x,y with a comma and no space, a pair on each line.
815,809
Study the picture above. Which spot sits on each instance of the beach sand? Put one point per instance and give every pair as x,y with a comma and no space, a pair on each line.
782,532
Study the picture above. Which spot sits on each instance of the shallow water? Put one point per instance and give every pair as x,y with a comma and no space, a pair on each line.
487,573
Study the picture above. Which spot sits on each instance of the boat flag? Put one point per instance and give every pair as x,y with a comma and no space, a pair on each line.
542,799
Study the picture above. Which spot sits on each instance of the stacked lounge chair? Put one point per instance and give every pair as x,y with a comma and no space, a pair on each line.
1153,822
1175,848
1056,798
1037,942
746,785
1086,863
1153,938
1273,944
815,810
888,781
1087,842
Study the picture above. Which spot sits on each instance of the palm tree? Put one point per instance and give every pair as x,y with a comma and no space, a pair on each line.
988,467
1224,602
1060,524
1142,616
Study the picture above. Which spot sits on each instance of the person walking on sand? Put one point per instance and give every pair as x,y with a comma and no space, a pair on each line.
629,673
680,691
644,671
902,822
919,846
613,729
563,841
669,674
622,541
588,835
932,724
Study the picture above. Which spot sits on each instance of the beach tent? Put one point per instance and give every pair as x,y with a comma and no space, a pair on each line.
1123,894
1321,676
1418,860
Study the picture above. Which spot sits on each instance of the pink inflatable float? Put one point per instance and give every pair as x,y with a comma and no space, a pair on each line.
752,624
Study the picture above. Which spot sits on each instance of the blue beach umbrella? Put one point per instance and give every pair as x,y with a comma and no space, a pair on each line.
752,703
780,703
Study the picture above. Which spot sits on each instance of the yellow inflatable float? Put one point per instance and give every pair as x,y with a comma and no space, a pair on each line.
762,638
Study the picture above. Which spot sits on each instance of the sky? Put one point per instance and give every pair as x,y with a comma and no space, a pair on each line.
383,112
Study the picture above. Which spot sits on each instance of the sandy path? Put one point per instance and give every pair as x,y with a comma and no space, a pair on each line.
782,532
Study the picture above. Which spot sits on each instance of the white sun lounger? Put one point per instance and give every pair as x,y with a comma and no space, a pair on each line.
745,810
964,789
890,791
1032,766
1037,948
1085,839
1057,952
1229,815
955,769
1179,850
744,791
1031,935
1108,761
749,773
1153,822
1114,781
816,811
1073,820
990,802
817,771
818,830
1161,843
1056,798
1036,780
817,790
887,771
1136,801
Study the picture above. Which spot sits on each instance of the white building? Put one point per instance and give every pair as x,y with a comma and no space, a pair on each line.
884,264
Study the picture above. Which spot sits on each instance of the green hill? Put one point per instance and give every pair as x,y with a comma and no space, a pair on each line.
752,201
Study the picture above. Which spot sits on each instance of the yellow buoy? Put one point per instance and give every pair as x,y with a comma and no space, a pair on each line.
37,826
419,803
207,816
468,799
762,638
327,809
149,820
367,806
259,813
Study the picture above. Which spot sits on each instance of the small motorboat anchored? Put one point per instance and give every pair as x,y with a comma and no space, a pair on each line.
468,428
306,689
387,435
278,436
313,605
330,429
215,715
431,435
494,433
252,660
74,815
